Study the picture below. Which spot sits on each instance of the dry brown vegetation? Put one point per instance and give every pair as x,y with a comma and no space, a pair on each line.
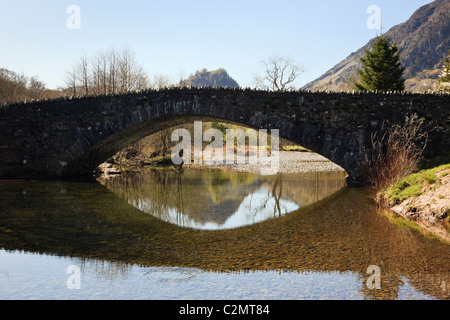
396,153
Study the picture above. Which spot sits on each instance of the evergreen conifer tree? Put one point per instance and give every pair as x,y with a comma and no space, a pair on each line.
382,69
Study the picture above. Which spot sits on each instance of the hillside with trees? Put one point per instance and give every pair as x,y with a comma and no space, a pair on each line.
18,87
205,78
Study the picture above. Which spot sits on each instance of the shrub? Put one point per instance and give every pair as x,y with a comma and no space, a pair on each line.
395,154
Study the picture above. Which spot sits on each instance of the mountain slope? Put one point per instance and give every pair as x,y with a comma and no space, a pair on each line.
423,40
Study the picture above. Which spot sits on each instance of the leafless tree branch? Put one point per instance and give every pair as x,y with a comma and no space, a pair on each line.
279,74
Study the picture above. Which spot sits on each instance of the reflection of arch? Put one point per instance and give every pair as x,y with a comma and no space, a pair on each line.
343,234
190,198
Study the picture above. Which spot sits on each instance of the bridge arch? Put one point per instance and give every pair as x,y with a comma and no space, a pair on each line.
85,164
70,137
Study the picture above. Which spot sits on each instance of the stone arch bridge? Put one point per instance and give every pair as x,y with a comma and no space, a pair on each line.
66,137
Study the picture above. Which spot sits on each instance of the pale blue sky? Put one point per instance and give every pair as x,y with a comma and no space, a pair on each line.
180,37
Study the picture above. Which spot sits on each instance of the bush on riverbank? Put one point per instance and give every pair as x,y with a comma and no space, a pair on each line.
396,154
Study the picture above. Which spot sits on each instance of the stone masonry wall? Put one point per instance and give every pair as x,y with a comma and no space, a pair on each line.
69,137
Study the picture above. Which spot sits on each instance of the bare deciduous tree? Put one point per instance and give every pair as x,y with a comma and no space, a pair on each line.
82,71
131,75
36,88
107,72
100,73
279,74
161,81
70,82
112,71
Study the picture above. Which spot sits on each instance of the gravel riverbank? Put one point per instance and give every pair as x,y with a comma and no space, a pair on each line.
289,162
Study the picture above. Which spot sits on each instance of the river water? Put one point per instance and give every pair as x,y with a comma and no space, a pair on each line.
210,234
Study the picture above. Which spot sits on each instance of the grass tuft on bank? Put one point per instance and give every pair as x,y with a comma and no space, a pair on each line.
414,185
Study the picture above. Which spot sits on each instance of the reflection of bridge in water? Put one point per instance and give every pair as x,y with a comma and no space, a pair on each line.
215,199
342,234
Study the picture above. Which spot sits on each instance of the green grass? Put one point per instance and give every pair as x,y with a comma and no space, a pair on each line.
407,224
401,222
413,185
159,161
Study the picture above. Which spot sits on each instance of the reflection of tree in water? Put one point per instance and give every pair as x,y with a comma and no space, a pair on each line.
188,197
306,188
273,194
276,193
105,270
199,196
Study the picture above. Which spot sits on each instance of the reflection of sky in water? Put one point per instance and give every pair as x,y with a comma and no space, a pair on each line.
214,200
35,276
255,207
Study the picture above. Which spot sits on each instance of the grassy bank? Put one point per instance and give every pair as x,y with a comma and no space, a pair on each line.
421,199
415,184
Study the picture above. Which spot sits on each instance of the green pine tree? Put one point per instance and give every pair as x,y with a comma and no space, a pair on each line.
444,78
382,69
